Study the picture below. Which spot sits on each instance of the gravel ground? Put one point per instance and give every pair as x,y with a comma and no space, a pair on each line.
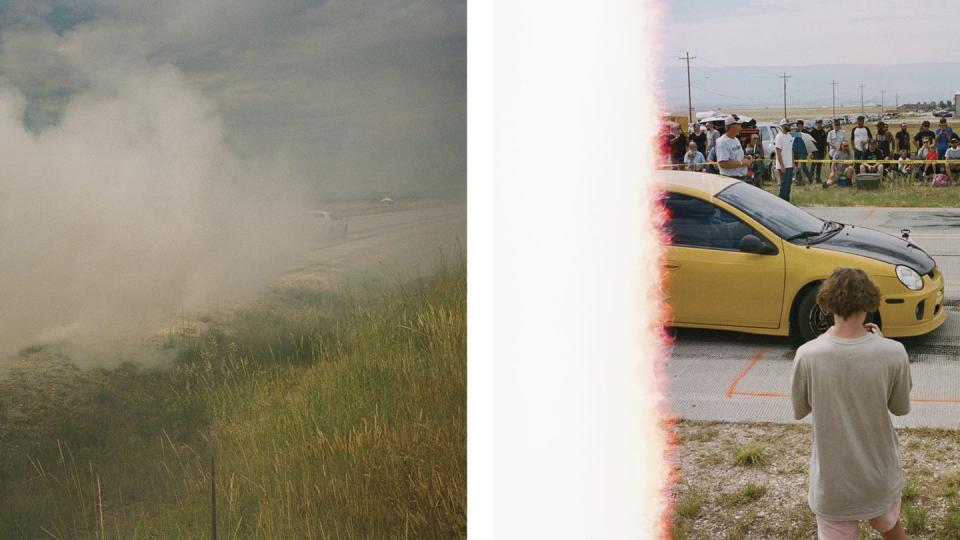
714,497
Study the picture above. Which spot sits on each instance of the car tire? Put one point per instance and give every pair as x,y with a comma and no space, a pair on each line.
811,321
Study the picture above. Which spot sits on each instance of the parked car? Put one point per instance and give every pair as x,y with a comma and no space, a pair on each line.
749,126
768,132
740,258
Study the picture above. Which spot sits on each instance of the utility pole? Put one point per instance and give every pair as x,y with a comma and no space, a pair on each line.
834,85
689,95
861,98
785,77
881,102
896,97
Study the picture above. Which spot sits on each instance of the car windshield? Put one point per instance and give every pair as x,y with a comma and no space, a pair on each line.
774,213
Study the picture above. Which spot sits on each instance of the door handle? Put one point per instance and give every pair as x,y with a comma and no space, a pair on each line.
672,266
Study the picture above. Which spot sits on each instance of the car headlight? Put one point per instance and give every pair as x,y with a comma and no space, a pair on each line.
909,277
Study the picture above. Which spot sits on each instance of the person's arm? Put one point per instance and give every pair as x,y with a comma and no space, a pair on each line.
800,388
782,167
898,401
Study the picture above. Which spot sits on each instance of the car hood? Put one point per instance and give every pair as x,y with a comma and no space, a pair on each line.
879,246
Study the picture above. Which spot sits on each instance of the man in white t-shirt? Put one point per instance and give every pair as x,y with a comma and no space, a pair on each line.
730,156
860,135
783,144
835,137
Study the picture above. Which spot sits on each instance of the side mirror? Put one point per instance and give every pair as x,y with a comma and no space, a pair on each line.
752,244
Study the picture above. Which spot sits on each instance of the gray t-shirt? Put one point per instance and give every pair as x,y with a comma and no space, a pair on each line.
730,149
849,385
952,153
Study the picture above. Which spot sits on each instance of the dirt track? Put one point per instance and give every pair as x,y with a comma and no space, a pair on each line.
396,241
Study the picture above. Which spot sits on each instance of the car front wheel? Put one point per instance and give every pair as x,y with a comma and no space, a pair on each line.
811,321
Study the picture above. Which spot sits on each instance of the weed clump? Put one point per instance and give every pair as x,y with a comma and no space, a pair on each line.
751,455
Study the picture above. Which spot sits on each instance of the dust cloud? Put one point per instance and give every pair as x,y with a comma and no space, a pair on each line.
130,210
160,158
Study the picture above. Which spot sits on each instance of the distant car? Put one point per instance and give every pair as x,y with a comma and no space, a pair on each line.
331,224
768,132
740,258
943,114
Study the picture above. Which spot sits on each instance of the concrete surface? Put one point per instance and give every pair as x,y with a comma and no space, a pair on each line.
737,377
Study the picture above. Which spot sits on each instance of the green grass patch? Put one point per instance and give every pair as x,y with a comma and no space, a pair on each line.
907,194
690,505
745,495
339,415
951,523
910,491
914,519
706,434
948,484
751,455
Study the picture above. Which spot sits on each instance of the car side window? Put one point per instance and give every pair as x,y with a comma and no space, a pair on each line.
693,222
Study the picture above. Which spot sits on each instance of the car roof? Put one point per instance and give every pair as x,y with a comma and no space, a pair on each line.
704,183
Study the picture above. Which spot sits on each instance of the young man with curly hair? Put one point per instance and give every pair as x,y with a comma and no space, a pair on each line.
851,378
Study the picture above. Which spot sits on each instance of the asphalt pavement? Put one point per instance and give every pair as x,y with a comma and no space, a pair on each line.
736,377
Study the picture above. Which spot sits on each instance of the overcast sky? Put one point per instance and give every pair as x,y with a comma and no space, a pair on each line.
807,32
350,95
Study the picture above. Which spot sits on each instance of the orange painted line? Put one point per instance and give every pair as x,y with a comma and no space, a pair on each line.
733,386
759,394
935,400
869,213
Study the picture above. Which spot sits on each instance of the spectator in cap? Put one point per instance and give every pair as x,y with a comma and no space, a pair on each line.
860,134
730,155
953,154
783,145
924,133
835,137
903,138
820,138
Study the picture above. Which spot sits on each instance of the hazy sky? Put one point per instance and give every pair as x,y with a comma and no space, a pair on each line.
351,95
775,32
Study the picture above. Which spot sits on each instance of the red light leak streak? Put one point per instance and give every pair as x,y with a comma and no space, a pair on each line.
667,419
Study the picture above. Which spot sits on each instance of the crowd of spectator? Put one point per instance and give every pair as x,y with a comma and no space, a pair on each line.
706,149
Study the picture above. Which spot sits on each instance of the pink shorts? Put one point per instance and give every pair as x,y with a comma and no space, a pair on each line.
850,530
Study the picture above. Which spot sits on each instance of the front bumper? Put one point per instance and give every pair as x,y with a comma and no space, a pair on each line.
913,313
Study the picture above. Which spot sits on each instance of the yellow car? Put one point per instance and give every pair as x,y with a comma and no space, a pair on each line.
742,259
